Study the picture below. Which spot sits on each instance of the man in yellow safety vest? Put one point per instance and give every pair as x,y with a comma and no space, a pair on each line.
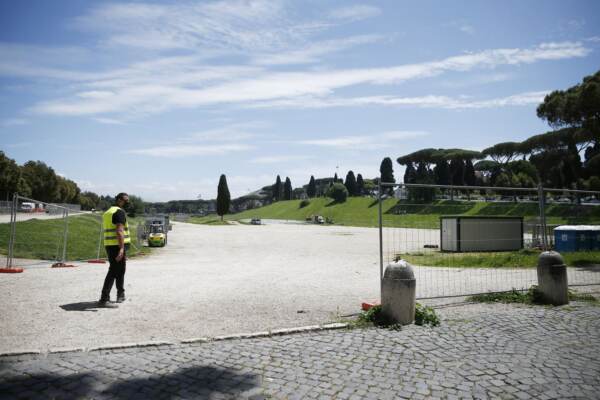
117,238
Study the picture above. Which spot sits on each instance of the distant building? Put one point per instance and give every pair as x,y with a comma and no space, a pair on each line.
321,185
401,193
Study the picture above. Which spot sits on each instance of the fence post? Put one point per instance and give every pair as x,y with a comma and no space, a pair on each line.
13,229
100,240
66,235
380,213
542,205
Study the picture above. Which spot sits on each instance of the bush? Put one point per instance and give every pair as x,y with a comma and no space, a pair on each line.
424,315
338,192
304,203
374,316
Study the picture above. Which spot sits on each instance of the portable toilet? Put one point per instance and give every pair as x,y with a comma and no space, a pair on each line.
576,238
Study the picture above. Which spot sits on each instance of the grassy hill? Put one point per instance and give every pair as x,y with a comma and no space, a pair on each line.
363,211
43,238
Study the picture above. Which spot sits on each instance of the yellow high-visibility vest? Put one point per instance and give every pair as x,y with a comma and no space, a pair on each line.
110,229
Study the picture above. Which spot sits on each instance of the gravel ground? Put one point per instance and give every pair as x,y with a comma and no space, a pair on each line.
214,280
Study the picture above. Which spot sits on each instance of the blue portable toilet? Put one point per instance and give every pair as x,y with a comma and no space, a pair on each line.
576,238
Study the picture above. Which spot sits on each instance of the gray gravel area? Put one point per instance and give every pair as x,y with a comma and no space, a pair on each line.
479,352
216,280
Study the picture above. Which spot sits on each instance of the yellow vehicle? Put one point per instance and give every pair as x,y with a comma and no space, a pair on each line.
157,236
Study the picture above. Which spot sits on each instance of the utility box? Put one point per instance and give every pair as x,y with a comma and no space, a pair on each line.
469,234
577,238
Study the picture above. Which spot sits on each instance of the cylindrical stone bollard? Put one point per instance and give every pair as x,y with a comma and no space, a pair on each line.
398,293
552,278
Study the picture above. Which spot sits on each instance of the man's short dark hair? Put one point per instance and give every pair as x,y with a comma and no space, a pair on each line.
121,196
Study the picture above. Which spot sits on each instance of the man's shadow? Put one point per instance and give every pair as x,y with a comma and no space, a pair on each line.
83,306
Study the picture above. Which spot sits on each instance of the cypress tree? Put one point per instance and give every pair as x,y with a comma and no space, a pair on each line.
410,173
470,178
360,185
386,171
277,189
311,190
223,197
351,183
442,173
457,171
423,175
287,189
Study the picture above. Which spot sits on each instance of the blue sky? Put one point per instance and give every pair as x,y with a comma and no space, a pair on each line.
160,98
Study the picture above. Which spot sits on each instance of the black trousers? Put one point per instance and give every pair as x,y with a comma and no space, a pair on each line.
116,272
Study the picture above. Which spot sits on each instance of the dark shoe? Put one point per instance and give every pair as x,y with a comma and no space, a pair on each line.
106,304
120,299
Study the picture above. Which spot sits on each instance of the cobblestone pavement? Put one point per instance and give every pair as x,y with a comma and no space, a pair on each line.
479,351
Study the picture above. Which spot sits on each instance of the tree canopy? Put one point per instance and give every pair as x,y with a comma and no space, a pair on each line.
553,157
578,106
503,153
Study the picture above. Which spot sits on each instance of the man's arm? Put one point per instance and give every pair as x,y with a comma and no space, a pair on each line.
121,241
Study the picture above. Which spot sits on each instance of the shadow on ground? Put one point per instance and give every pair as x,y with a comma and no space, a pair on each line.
193,382
82,306
47,386
202,381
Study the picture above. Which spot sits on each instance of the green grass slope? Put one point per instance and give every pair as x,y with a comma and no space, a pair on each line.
363,211
526,258
43,239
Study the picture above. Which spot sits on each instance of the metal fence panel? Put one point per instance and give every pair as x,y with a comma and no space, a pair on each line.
41,234
502,228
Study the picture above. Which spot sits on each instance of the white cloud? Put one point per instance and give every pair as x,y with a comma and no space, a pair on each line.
429,101
468,29
13,122
240,25
109,121
19,145
462,26
355,12
312,52
478,79
522,99
366,142
186,150
219,141
279,159
156,93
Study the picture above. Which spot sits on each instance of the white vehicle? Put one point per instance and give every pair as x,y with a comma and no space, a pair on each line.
27,207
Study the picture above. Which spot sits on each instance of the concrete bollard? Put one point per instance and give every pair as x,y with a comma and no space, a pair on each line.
398,293
552,278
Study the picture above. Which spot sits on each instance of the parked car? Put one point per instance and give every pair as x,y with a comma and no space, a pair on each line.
255,221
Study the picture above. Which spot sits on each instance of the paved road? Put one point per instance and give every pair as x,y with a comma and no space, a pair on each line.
479,351
5,218
211,281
